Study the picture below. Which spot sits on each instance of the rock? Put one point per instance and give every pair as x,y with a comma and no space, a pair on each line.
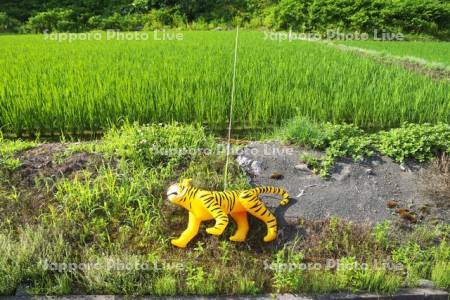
302,192
435,221
391,203
405,214
252,167
369,172
404,168
21,291
302,167
401,210
411,205
277,176
243,161
255,167
344,174
425,284
425,209
375,163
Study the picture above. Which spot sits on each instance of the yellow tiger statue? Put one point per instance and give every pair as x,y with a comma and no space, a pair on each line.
207,205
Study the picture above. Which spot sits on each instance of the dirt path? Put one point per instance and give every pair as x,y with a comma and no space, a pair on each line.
435,70
358,192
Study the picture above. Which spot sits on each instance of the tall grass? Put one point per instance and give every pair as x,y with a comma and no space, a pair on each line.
89,85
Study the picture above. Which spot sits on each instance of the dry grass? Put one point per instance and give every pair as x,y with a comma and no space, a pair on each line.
438,181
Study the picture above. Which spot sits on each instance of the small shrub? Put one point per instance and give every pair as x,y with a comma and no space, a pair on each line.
416,260
381,233
118,22
420,142
165,17
199,282
156,145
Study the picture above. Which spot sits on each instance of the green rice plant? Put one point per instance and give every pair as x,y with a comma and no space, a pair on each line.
71,87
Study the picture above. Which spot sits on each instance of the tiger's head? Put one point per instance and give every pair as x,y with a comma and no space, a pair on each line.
176,192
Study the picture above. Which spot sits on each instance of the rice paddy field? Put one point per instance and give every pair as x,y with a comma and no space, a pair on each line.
437,52
51,86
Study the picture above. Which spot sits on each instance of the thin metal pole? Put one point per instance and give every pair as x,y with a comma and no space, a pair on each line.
233,90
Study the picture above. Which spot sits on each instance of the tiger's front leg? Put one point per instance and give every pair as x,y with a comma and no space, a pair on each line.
190,232
219,216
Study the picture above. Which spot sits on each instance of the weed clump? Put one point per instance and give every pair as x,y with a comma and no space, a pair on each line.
411,141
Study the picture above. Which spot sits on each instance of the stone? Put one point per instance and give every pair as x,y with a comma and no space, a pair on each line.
369,172
277,176
302,167
255,167
404,168
252,167
425,284
391,204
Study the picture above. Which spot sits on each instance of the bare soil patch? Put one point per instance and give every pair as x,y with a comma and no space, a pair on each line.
369,191
50,161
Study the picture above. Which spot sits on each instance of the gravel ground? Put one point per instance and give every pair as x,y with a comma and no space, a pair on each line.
356,191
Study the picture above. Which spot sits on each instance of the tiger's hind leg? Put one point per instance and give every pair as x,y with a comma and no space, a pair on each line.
256,207
242,227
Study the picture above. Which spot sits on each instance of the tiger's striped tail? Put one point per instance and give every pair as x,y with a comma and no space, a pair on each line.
273,190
